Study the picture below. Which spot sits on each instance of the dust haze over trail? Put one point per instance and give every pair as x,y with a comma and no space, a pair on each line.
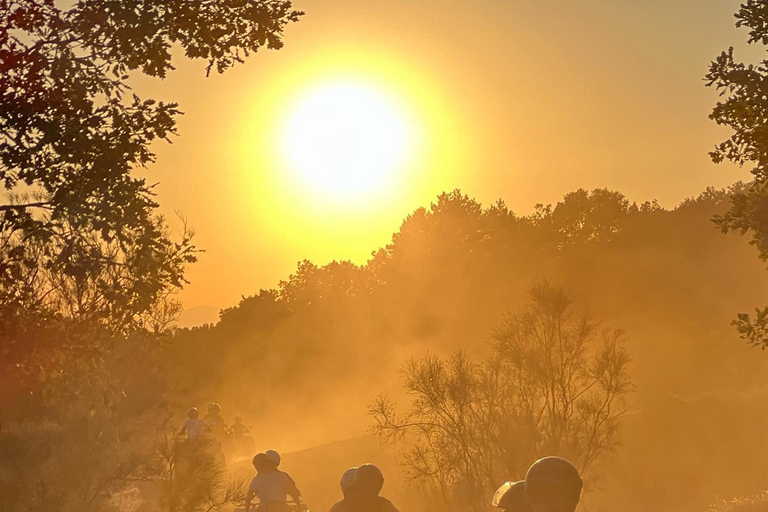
302,363
477,340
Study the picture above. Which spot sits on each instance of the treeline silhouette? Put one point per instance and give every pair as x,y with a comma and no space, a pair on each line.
331,338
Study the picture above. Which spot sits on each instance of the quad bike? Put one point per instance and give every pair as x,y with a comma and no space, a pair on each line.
186,450
243,446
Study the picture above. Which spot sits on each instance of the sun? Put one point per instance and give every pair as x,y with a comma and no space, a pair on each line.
346,139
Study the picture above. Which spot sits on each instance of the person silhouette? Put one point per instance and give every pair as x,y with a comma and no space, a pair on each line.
194,427
271,486
361,487
552,484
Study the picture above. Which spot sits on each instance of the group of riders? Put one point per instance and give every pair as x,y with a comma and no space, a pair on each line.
552,484
227,441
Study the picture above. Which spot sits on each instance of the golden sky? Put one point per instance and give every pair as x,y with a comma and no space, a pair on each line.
518,99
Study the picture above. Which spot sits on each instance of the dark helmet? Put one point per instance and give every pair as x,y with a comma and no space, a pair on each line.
192,413
511,496
214,408
553,479
369,479
262,462
347,479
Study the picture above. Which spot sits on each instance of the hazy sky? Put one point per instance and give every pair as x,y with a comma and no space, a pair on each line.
515,99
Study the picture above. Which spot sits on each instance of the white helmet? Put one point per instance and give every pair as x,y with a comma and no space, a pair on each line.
273,456
347,479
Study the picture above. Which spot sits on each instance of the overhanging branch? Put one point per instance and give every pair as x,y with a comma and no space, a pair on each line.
42,204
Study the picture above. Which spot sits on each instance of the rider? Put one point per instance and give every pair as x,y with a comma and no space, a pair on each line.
238,429
194,426
218,428
553,484
214,420
511,497
361,487
274,456
271,486
347,479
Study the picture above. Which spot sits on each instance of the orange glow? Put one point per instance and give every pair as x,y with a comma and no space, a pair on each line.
400,146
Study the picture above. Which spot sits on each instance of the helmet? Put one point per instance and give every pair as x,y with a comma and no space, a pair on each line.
369,479
347,479
553,479
511,496
262,461
238,419
192,413
214,408
273,456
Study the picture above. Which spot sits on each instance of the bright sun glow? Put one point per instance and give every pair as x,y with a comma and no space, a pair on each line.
346,139
335,146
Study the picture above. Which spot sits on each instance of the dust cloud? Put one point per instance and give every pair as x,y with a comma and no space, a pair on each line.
303,363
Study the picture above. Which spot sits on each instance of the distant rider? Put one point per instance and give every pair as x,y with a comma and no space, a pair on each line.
214,420
194,426
238,429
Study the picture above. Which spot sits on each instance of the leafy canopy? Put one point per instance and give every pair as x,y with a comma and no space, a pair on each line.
744,109
72,135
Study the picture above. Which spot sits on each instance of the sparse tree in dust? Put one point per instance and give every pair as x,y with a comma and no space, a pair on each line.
192,479
554,384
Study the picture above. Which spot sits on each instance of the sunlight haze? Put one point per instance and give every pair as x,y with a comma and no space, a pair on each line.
515,100
383,256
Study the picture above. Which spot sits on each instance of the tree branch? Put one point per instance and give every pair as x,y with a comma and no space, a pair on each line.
41,204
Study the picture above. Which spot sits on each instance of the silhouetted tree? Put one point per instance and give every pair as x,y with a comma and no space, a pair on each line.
744,109
71,135
86,427
87,266
595,216
554,384
191,477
